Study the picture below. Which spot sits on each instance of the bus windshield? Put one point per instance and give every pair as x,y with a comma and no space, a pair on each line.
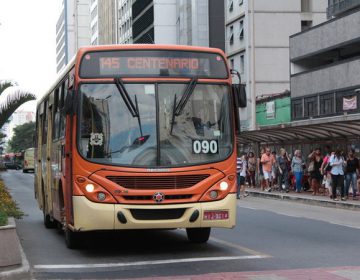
155,135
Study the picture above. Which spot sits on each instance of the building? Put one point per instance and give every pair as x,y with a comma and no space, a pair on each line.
17,118
325,86
187,22
124,21
103,17
325,66
257,44
72,30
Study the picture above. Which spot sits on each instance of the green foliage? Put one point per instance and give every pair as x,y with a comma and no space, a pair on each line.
15,98
8,207
23,137
3,218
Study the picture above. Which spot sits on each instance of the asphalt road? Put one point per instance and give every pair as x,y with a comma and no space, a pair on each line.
270,235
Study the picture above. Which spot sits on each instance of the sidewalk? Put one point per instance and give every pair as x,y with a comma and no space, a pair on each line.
307,198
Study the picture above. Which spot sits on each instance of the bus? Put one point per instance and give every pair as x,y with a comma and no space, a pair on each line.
28,160
138,137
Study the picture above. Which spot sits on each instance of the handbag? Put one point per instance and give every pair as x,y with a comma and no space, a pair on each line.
311,166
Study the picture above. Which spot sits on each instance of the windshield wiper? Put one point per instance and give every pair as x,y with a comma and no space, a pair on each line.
179,107
133,109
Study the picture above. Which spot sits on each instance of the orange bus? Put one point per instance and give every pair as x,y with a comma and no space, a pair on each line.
138,137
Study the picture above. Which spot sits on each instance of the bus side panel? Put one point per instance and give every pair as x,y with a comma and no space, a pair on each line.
38,166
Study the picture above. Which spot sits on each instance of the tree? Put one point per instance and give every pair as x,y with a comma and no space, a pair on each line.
11,98
23,137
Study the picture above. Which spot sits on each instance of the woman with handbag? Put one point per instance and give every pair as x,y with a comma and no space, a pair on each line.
314,169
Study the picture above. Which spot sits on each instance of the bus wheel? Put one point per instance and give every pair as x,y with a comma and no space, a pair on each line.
198,235
48,222
71,238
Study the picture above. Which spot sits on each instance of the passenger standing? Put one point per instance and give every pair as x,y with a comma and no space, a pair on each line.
260,171
267,163
251,169
325,171
352,172
274,170
241,173
282,162
337,174
316,178
297,164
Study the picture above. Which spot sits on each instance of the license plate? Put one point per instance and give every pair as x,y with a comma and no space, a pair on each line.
216,215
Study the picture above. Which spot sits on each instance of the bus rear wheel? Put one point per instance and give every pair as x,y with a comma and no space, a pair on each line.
48,222
198,235
71,238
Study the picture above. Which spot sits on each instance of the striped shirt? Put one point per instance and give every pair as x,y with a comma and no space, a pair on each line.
241,167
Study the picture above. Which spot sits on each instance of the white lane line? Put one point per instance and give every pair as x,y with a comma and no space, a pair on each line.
126,264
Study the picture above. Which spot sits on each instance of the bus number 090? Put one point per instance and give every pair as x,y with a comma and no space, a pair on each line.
205,147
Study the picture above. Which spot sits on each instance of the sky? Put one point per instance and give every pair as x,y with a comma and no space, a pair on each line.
28,44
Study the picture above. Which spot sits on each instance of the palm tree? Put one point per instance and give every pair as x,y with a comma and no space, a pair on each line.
13,97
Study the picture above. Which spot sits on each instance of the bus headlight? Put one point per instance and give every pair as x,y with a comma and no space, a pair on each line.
101,196
89,188
224,186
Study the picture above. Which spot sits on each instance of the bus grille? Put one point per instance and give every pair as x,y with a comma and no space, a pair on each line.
149,197
157,214
158,182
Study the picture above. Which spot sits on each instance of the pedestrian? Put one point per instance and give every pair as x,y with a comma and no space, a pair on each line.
267,163
283,178
241,175
297,168
251,168
337,163
314,169
351,173
274,170
325,171
260,177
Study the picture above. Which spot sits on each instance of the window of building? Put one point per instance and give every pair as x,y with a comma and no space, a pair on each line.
231,5
306,24
310,106
242,64
305,6
241,2
231,34
232,63
297,109
327,104
241,33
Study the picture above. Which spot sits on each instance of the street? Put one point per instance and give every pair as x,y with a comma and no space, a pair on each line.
270,236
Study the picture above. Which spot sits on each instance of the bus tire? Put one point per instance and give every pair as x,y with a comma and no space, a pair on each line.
71,238
48,222
198,235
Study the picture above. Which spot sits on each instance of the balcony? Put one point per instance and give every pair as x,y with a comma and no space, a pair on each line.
337,7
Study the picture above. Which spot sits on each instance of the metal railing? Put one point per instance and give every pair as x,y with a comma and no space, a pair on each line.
337,7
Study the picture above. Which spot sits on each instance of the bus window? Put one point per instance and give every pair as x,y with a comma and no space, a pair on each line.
45,123
56,120
62,116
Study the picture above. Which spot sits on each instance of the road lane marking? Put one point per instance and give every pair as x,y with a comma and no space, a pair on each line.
142,263
239,247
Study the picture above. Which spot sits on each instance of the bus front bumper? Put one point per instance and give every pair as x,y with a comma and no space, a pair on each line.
89,216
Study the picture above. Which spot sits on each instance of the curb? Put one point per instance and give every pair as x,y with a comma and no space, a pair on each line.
21,271
325,202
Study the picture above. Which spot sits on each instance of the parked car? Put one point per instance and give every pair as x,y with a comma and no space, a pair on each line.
29,160
13,165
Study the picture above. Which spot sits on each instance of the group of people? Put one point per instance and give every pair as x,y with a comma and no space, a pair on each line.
333,173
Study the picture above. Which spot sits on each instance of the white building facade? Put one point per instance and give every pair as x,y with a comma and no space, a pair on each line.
72,30
257,44
124,21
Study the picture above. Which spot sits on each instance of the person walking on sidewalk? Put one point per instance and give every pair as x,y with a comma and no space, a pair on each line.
282,163
267,163
337,163
251,169
314,169
241,175
297,168
351,173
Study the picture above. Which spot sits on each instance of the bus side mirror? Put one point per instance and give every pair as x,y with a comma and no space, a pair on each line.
240,95
70,103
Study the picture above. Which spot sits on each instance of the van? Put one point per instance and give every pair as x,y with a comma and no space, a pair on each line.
29,160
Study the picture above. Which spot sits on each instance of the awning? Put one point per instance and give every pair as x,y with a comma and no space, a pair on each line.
341,127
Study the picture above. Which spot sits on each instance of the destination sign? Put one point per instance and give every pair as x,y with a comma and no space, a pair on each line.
152,63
